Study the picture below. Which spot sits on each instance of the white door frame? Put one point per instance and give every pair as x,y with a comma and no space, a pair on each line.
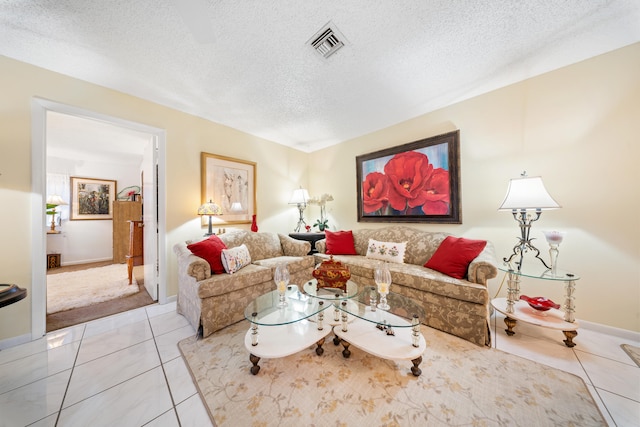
39,108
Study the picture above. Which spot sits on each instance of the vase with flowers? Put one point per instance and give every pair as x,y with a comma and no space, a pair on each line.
323,222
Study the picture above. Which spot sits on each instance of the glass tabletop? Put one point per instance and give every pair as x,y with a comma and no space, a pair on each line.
400,314
265,309
536,271
310,288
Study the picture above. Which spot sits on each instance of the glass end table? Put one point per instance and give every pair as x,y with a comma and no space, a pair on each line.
515,309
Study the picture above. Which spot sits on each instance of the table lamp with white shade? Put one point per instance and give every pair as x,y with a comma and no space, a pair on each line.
526,198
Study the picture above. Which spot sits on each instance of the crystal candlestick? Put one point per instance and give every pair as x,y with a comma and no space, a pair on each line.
281,277
554,238
382,277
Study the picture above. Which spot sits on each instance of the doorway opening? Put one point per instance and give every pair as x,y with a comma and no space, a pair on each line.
84,152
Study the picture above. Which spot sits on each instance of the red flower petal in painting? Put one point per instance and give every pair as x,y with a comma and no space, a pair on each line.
374,192
437,193
408,174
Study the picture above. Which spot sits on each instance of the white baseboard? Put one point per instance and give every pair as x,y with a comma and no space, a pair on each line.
85,261
14,341
610,330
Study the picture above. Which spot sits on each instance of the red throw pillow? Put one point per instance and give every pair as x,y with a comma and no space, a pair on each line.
340,243
454,255
210,250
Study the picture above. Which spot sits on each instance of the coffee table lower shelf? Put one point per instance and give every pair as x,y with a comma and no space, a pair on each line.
365,336
284,340
551,319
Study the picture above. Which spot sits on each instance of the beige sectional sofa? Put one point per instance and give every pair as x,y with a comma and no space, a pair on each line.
457,306
212,302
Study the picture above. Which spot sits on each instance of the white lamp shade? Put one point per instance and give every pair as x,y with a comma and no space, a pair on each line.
527,193
299,196
55,199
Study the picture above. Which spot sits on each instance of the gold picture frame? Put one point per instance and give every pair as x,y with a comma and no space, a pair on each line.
231,183
92,198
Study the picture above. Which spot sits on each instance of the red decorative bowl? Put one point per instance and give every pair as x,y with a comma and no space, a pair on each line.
539,303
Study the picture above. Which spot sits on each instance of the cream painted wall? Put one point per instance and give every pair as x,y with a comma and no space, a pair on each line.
577,127
279,170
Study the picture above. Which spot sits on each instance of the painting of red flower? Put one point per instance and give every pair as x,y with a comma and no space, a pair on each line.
415,182
375,189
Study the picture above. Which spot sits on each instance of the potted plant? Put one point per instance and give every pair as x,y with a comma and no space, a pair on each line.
323,222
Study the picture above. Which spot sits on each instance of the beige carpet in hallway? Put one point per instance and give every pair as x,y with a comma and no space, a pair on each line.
84,314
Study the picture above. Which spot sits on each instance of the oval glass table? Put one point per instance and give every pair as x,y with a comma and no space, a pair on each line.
284,329
392,334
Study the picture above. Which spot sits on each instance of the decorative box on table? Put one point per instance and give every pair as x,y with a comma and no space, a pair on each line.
332,274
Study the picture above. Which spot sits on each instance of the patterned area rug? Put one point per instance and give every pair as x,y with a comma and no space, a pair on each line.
87,287
632,351
461,384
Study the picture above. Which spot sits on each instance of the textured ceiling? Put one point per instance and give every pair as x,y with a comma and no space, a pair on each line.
247,64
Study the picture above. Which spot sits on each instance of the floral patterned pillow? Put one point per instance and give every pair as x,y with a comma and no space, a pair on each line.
386,251
235,258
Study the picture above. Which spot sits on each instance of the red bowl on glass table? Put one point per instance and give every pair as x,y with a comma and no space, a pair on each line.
539,303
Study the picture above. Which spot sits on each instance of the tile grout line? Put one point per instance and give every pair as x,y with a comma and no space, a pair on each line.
66,390
164,372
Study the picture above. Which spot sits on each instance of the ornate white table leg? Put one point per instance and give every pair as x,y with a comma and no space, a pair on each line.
415,334
569,301
254,330
345,319
513,290
320,317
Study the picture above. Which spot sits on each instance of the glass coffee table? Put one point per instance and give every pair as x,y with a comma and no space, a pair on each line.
392,334
284,330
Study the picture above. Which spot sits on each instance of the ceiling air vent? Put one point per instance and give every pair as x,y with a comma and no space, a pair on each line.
327,41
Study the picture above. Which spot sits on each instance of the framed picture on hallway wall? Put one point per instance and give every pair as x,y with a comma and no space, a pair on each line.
414,182
231,183
92,198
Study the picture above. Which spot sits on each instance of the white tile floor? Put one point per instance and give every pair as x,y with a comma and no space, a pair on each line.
126,370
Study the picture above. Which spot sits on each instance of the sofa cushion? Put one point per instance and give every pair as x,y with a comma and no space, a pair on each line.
293,247
454,255
386,251
235,258
210,250
261,245
220,284
340,242
295,264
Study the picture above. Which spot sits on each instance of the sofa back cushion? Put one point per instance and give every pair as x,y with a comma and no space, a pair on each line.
421,245
261,245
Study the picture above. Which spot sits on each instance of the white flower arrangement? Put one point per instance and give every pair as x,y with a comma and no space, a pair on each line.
322,202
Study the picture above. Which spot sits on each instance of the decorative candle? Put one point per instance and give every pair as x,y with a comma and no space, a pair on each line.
281,286
383,288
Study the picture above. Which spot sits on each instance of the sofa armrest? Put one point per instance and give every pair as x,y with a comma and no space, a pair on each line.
321,246
191,265
293,247
484,266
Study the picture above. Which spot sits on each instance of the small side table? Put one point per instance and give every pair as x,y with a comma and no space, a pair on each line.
309,237
53,261
514,309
